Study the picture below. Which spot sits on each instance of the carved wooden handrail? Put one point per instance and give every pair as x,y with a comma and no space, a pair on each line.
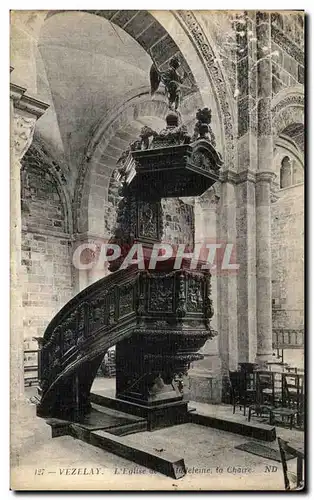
87,325
152,305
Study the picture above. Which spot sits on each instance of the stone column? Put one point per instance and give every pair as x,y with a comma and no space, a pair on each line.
263,194
245,187
246,259
88,264
227,282
100,268
24,111
79,274
263,266
205,379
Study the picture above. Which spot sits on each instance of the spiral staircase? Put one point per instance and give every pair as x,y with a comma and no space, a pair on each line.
158,319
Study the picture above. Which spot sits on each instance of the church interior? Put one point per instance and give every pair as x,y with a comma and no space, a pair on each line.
81,97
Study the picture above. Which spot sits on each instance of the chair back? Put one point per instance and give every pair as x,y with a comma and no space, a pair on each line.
248,367
283,456
291,369
265,380
293,390
284,451
237,382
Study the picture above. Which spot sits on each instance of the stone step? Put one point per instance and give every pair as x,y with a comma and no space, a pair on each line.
164,414
113,421
159,461
124,430
255,430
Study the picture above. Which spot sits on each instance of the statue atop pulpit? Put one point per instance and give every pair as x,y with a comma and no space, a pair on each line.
202,129
172,81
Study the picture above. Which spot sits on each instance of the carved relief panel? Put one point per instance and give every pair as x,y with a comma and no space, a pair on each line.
69,332
148,217
96,314
126,299
195,294
161,293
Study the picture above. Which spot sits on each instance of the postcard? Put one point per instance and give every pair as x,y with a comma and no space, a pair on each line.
157,250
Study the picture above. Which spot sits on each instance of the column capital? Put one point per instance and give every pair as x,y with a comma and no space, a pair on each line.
24,102
26,111
22,131
238,178
209,201
228,176
265,177
246,176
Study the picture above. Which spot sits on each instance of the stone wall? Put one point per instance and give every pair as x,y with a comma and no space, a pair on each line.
288,258
46,249
220,27
178,220
205,382
287,51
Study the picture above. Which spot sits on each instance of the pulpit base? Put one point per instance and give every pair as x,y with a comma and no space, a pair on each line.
157,416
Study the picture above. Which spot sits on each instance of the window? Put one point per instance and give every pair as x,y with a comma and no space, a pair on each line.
285,172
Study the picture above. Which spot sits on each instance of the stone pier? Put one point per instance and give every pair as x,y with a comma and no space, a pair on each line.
24,112
264,179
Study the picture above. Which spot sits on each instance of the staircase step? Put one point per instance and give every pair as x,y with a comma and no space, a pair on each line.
162,462
113,421
116,413
124,430
255,430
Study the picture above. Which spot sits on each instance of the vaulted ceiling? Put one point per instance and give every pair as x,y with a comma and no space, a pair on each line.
295,132
86,66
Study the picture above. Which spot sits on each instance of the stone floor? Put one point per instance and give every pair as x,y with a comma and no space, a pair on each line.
40,462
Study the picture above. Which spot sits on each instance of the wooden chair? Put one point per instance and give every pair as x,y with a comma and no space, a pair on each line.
282,412
290,477
292,400
291,369
237,385
242,392
30,366
293,394
292,385
266,395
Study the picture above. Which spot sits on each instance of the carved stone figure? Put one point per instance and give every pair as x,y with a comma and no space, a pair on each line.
173,135
142,142
171,80
145,134
202,129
